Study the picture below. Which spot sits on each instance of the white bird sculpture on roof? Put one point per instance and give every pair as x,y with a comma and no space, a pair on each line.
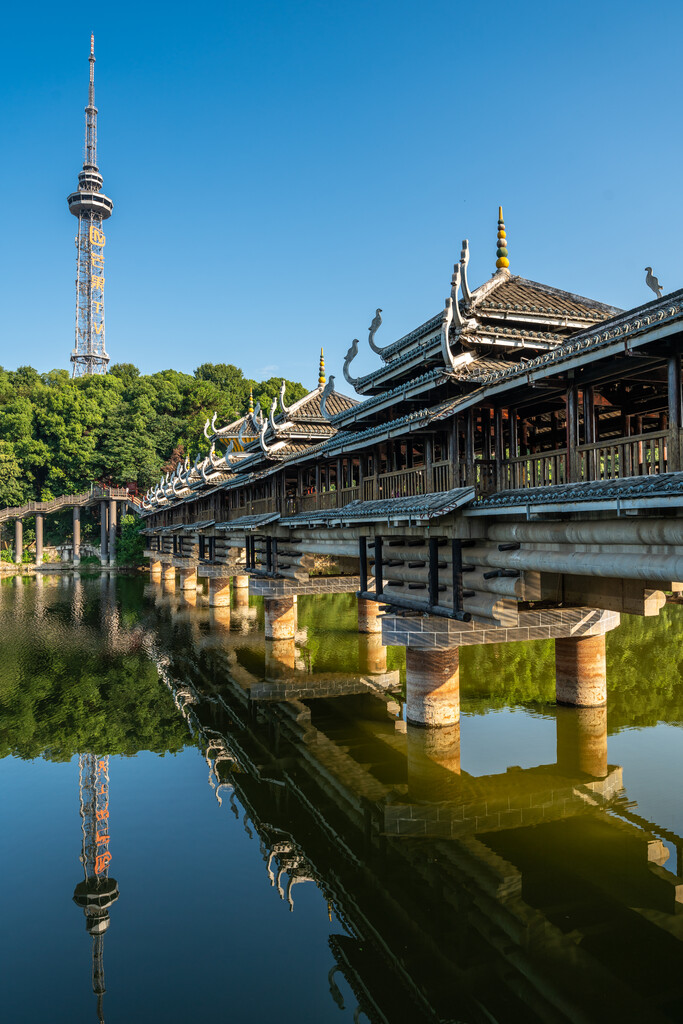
652,282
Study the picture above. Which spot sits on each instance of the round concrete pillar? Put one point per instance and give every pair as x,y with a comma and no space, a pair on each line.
580,671
582,741
369,618
372,654
39,538
104,534
280,658
18,540
433,686
219,591
112,532
188,579
155,570
280,618
76,549
241,582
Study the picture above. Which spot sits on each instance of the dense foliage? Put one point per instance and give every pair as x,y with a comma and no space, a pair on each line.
70,687
58,435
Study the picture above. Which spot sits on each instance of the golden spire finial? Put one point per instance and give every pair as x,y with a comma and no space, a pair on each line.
251,401
321,371
502,250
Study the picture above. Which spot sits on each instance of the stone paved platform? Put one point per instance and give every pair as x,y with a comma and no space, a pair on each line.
432,633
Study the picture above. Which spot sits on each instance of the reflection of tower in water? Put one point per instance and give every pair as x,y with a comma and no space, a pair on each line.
98,891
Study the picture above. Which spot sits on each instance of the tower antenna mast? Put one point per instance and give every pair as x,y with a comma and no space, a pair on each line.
92,207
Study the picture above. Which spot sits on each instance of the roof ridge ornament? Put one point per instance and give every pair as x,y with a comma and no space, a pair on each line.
372,331
281,398
455,288
262,436
328,391
652,282
271,416
452,315
251,402
464,261
321,369
502,251
348,359
256,417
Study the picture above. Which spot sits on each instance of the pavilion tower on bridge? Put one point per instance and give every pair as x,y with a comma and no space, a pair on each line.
91,207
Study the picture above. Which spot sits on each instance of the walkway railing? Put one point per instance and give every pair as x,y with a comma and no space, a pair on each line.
639,455
95,493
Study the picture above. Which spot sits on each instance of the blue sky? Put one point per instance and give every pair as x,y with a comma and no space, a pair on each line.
279,170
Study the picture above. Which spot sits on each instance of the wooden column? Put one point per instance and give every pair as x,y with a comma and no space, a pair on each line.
674,388
499,448
469,448
486,434
429,461
572,433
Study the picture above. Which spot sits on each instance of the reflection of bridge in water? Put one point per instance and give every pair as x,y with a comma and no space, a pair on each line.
535,894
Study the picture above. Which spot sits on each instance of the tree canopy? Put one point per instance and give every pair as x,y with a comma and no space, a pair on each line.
60,434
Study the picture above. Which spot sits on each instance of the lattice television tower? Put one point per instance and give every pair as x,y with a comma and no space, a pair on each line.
91,207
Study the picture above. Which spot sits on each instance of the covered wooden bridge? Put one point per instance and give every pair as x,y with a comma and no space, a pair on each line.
513,466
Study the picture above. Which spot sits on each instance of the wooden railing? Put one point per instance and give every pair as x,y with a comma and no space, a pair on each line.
402,483
541,470
639,455
441,476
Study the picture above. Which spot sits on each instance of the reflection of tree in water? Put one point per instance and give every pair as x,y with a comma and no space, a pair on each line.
644,672
64,689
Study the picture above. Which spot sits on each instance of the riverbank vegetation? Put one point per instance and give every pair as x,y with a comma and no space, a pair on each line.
58,435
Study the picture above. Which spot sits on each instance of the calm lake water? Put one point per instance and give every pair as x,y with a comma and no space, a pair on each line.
276,844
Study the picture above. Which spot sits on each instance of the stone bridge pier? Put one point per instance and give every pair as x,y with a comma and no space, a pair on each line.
432,657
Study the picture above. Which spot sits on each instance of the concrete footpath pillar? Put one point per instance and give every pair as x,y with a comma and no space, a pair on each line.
155,569
433,686
369,618
104,534
241,582
188,579
18,540
280,618
169,578
39,538
581,671
219,591
582,741
280,658
76,546
112,532
372,654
